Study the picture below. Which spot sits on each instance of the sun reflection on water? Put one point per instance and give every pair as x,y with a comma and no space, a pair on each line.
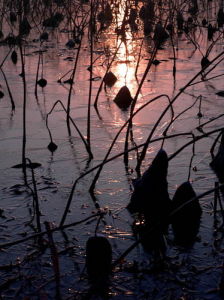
125,64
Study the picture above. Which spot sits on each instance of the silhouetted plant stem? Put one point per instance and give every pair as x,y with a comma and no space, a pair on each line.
102,82
214,144
9,91
55,260
177,116
2,63
217,198
191,160
37,73
91,29
155,49
35,197
211,69
199,108
71,87
6,81
216,195
196,138
174,57
97,224
143,153
23,74
100,166
134,102
139,58
92,187
71,120
37,235
207,79
62,226
63,76
155,227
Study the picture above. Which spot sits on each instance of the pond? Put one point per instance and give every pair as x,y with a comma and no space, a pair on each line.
54,199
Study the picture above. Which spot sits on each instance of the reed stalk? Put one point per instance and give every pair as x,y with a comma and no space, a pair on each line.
23,74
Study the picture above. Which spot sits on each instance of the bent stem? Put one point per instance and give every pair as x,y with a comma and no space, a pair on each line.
100,166
143,153
9,91
73,123
92,187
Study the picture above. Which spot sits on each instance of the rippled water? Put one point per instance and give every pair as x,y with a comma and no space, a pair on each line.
26,271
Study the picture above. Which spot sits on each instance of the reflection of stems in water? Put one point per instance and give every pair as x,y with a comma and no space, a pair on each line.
180,114
174,57
71,86
98,223
2,63
71,120
55,260
101,84
117,135
144,150
37,74
206,79
6,81
63,76
159,224
35,197
9,91
24,113
204,75
139,58
192,157
197,138
218,197
91,29
129,128
214,144
36,235
199,128
199,108
100,166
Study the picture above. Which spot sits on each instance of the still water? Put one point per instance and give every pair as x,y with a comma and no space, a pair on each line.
26,271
